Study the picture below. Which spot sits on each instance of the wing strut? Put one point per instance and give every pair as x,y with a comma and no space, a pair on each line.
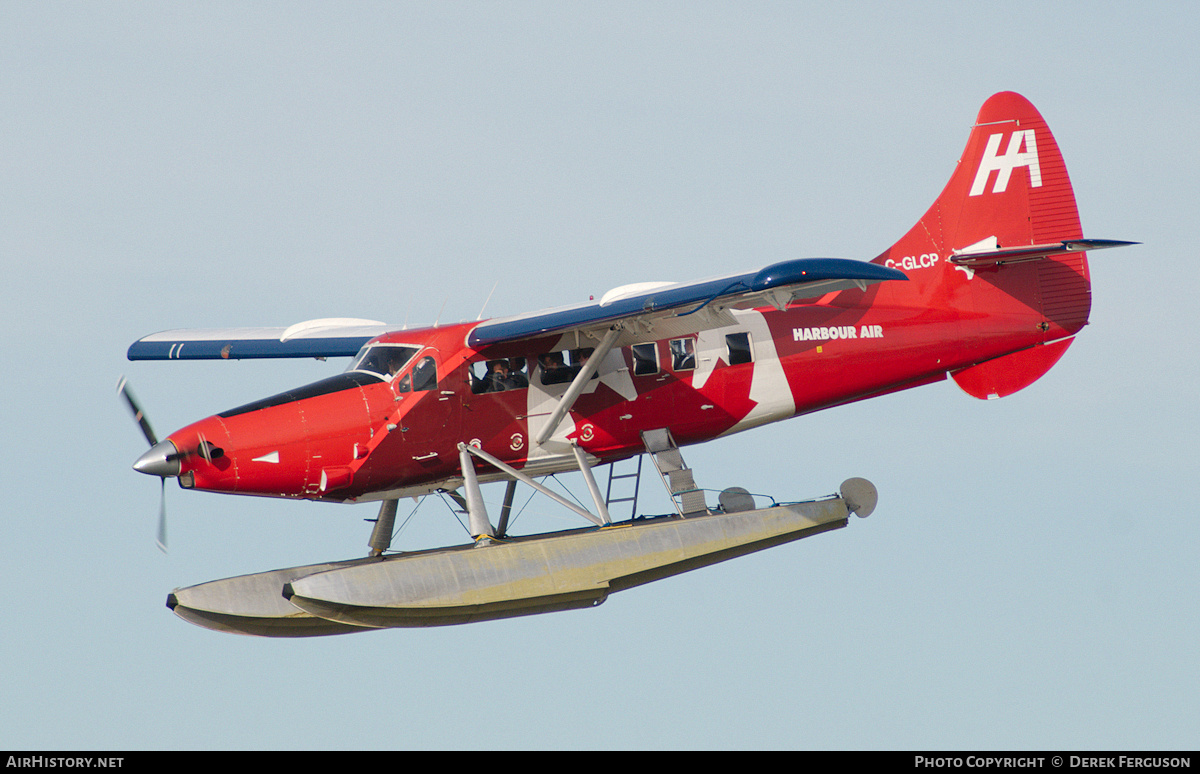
581,380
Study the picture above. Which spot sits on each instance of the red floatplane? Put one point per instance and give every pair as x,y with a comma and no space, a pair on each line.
988,288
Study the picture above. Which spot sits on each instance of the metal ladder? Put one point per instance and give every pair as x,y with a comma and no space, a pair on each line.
676,475
613,475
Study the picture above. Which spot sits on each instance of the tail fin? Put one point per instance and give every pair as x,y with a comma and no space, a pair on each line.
1010,190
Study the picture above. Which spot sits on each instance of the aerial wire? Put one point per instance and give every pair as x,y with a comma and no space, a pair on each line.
486,300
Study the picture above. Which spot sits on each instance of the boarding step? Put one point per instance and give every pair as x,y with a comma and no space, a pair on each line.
676,475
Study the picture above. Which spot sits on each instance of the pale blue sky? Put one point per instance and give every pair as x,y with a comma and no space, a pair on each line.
1029,579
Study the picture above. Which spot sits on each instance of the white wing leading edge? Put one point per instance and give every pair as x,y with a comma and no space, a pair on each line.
329,337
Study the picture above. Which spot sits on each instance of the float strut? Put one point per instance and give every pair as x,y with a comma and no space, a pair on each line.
586,470
481,454
381,536
510,491
476,511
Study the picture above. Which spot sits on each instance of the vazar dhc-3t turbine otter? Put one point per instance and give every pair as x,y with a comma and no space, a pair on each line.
989,288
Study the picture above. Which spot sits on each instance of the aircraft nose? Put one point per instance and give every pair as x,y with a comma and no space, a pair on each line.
161,459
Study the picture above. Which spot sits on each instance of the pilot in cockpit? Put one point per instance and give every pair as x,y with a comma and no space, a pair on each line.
395,360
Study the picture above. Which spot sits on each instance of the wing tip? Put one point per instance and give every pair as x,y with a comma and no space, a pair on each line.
812,269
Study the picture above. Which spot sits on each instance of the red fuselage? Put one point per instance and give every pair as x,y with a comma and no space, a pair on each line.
997,284
362,435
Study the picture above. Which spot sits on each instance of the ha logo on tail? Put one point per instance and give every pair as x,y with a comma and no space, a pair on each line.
1004,165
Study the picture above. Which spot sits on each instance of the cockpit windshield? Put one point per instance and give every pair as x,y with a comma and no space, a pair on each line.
383,360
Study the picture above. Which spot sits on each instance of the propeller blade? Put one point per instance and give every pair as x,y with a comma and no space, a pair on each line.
124,391
161,540
158,461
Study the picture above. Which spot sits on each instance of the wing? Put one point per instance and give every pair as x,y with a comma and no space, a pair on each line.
329,337
677,308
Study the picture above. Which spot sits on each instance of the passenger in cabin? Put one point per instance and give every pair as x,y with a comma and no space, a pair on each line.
579,358
554,371
501,378
683,355
489,378
516,367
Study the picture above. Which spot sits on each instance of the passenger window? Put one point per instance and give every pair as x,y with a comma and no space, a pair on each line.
498,375
683,354
645,359
563,367
553,368
579,358
423,377
738,346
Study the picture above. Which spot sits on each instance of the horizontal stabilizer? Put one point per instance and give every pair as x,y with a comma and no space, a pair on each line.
985,254
331,337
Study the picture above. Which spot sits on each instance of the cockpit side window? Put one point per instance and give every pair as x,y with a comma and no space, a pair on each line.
422,377
383,360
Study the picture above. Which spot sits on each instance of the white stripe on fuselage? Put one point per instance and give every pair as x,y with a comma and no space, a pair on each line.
768,385
773,399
